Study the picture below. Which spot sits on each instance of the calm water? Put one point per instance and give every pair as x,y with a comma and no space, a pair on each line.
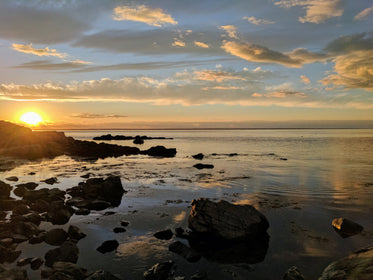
300,179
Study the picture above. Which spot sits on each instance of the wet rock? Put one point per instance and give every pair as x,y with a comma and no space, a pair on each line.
5,189
39,206
203,166
29,217
27,229
7,254
102,275
12,274
124,223
226,220
59,275
59,214
199,156
21,209
36,263
45,194
6,242
160,271
50,181
164,234
183,250
12,179
86,176
346,228
20,191
98,205
37,239
75,233
68,252
358,265
29,186
83,211
293,274
138,141
199,276
108,246
24,261
119,230
160,151
70,269
19,238
56,237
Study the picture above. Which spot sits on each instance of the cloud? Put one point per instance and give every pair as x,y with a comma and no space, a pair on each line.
284,94
201,44
317,11
178,43
258,21
364,13
96,116
231,30
217,75
49,65
36,24
348,43
151,16
39,52
305,79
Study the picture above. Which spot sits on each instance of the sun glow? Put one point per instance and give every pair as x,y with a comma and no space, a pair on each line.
31,118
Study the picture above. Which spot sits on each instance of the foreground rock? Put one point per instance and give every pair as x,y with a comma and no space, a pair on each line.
226,220
357,266
164,234
346,228
12,274
293,274
160,271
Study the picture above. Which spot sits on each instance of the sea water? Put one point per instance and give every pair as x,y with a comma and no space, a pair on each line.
301,179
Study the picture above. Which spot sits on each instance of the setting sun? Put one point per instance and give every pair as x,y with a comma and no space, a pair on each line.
31,118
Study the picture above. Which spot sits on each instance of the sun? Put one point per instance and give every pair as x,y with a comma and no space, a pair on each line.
31,118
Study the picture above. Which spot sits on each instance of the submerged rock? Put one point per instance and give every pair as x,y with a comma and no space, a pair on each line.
108,246
199,156
164,234
357,266
226,220
160,271
346,228
203,166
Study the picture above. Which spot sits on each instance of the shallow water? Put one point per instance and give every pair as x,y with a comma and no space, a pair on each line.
300,179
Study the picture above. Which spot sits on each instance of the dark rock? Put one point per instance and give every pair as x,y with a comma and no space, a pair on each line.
199,276
83,211
179,231
27,229
39,206
160,271
2,215
160,151
12,179
358,265
226,220
183,250
29,217
70,269
109,137
50,181
109,213
203,166
7,254
108,246
21,209
31,173
24,261
138,141
119,229
293,274
68,252
19,238
124,223
75,233
29,186
59,275
38,238
102,275
56,237
5,189
86,176
59,214
199,156
98,205
164,234
12,274
6,242
36,263
19,191
346,228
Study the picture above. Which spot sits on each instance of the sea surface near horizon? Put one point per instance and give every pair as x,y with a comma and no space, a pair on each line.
301,179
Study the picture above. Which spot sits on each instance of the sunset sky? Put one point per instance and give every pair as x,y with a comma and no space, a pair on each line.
187,64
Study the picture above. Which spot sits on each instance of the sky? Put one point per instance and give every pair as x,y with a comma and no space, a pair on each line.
187,64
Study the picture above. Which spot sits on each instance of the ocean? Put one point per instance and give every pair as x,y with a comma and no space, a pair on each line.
300,179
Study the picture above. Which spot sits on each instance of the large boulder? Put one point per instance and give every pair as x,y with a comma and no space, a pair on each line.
357,266
226,220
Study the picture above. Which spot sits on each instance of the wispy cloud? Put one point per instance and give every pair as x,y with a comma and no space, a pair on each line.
317,11
364,13
231,30
178,43
96,116
305,79
39,52
201,44
258,21
145,14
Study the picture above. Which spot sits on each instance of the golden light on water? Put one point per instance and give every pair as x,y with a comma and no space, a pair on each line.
31,118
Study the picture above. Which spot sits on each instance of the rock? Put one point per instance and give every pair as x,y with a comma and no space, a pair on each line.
36,263
108,246
20,191
83,211
27,229
199,156
203,166
56,237
164,234
50,181
7,254
293,274
5,189
68,252
39,206
21,209
23,261
124,223
346,228
19,238
6,242
12,274
29,217
59,214
119,229
12,179
70,269
138,141
75,233
160,271
160,151
199,276
37,239
102,275
357,266
184,251
98,205
59,275
29,186
226,220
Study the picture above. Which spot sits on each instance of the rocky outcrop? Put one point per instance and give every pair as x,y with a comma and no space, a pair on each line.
346,228
226,220
357,266
109,137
